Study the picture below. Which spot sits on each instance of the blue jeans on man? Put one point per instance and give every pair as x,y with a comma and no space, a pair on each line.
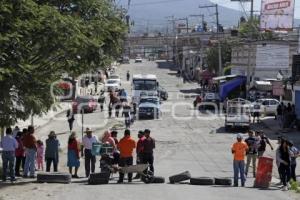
239,168
30,162
8,159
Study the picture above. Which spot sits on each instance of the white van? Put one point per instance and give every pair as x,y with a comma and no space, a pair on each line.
237,114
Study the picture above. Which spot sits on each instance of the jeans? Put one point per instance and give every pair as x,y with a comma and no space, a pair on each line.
48,164
285,173
20,162
90,161
238,167
8,159
125,162
293,172
30,162
148,158
251,157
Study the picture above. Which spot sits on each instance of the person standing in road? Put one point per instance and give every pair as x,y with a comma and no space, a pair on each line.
252,143
71,119
52,151
127,115
263,141
29,143
20,154
101,100
294,153
238,150
283,161
73,155
128,75
126,147
89,159
139,150
148,147
9,145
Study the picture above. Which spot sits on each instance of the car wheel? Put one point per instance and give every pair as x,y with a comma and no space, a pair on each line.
180,177
223,181
54,177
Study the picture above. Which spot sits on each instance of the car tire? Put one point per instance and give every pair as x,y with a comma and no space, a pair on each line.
53,177
180,177
202,181
158,179
99,178
223,181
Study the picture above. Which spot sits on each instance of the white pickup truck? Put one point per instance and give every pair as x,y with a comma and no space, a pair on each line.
237,114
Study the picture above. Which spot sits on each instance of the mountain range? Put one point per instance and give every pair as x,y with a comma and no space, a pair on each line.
154,14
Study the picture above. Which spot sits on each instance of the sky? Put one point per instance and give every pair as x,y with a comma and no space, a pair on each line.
257,4
154,13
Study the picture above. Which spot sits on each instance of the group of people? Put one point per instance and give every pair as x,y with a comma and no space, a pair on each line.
21,149
123,150
24,151
254,147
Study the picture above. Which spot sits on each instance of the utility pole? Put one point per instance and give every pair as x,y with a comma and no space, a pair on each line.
218,35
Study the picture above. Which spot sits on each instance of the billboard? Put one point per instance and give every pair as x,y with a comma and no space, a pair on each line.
277,14
272,56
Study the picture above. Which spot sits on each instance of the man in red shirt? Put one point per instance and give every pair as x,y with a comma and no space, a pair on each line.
148,147
126,147
139,150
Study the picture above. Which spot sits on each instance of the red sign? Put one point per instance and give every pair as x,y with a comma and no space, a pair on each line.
278,5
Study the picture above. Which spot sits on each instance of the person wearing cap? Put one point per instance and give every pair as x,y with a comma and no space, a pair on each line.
238,150
51,152
9,145
294,153
89,158
126,147
29,142
148,147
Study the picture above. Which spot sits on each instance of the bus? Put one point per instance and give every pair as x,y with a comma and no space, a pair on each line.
143,85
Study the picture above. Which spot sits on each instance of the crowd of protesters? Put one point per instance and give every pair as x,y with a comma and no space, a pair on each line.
24,151
254,147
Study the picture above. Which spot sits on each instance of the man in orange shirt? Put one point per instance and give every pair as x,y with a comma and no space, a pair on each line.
126,147
239,151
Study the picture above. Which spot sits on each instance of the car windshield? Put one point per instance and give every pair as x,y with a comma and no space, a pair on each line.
235,110
114,77
144,85
149,100
111,81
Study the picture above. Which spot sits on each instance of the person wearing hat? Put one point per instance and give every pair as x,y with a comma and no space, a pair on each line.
89,158
51,152
239,150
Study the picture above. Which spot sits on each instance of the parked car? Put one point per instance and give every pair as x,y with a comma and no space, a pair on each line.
115,77
86,103
112,85
125,60
138,59
267,106
149,107
163,94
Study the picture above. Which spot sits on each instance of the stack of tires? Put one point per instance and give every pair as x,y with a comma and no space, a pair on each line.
185,176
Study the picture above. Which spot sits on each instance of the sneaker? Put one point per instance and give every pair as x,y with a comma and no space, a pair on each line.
285,188
13,180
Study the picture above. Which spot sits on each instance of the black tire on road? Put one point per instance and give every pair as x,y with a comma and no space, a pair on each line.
180,177
202,181
54,177
99,178
158,179
223,181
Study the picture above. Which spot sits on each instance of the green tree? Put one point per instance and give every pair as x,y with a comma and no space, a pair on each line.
212,55
42,39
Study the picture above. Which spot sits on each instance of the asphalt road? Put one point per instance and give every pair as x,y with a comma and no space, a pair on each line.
186,140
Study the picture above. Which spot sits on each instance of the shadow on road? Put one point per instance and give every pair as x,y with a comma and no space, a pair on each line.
190,91
166,65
